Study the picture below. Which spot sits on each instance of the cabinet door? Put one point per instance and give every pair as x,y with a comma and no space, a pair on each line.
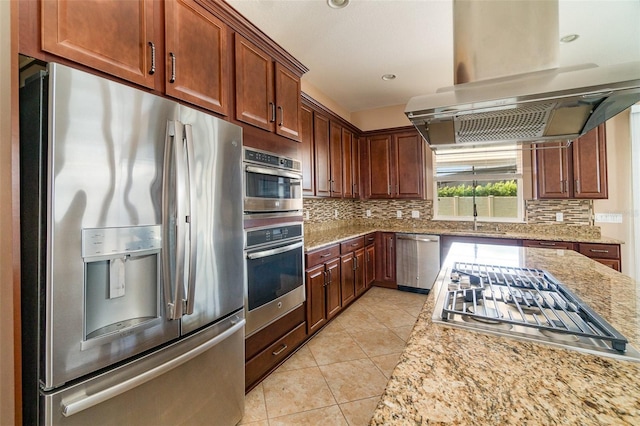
359,278
332,287
114,37
408,165
347,278
379,167
347,163
355,161
306,150
322,159
255,103
316,310
335,154
590,165
288,103
370,262
197,56
553,171
386,264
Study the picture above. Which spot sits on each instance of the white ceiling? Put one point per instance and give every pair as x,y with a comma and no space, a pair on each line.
348,50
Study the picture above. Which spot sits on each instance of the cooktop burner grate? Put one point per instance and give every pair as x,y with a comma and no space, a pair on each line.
524,297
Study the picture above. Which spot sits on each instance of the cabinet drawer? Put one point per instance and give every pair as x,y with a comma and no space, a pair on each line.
263,338
351,245
611,263
370,239
549,244
319,256
262,363
601,251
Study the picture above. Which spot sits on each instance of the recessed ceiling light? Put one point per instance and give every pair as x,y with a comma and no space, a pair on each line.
338,4
388,77
569,38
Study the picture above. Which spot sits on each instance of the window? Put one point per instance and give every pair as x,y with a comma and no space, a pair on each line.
486,179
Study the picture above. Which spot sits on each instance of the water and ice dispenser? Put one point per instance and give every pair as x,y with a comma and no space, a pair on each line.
121,281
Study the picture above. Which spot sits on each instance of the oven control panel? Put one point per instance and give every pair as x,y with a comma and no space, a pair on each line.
256,237
271,159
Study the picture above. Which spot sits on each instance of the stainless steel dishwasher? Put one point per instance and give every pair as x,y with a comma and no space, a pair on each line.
417,261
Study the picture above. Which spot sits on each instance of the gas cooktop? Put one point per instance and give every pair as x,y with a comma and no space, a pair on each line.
524,303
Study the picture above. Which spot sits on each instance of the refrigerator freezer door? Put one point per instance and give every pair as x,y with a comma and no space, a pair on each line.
214,156
104,171
198,380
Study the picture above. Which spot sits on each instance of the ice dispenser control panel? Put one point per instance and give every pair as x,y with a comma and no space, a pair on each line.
106,242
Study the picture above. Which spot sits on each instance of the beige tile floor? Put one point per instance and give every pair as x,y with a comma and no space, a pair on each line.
338,376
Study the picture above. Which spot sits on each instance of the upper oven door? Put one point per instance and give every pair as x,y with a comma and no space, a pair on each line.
268,189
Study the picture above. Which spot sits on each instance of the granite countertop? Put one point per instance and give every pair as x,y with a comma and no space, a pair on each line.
318,238
456,376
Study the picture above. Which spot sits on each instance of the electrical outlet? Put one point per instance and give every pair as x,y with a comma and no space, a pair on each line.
307,214
415,214
399,214
335,213
559,217
368,213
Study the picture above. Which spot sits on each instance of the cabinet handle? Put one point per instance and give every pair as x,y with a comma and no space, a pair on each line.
281,115
278,352
325,273
152,70
547,244
354,244
598,251
330,277
355,263
273,112
578,185
389,190
325,255
172,79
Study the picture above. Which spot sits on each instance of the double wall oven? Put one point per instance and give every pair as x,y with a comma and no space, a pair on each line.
274,237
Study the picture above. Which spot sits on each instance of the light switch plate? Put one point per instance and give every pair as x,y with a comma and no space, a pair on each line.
399,214
415,214
335,213
559,217
368,213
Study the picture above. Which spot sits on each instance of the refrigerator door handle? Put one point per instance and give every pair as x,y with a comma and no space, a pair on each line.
104,395
191,218
173,217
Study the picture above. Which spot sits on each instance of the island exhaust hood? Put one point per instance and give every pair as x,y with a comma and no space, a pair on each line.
546,104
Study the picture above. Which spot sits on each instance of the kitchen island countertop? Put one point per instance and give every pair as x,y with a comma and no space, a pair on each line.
455,376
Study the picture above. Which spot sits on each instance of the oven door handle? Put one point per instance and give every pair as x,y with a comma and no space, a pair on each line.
273,251
273,172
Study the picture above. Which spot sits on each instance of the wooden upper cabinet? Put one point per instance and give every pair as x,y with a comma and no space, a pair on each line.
409,165
379,165
322,158
590,165
267,94
577,171
335,154
197,56
553,170
288,103
116,37
255,103
347,164
306,150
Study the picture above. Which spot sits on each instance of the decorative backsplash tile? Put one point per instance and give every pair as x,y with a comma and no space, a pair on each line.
326,213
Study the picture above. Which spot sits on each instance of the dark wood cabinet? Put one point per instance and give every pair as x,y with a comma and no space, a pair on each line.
269,347
577,171
335,156
267,94
360,272
322,280
197,56
607,254
306,151
322,155
115,37
386,260
350,164
370,259
393,165
549,244
347,278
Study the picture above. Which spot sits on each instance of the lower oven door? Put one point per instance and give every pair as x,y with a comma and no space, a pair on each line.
269,189
275,283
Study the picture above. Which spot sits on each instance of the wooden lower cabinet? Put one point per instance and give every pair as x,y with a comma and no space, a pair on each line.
322,280
334,299
385,265
566,245
607,254
347,278
360,280
370,268
269,347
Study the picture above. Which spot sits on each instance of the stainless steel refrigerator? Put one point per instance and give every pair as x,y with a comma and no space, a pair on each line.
132,274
